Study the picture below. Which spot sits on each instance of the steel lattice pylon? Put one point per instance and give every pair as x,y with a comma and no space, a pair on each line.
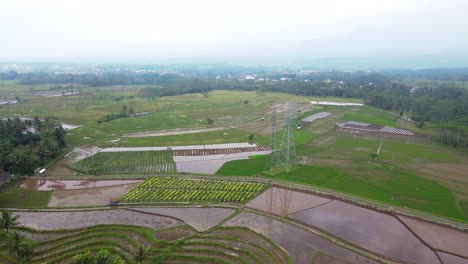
284,151
286,154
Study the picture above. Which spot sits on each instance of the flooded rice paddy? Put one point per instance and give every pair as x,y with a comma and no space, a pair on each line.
300,244
395,237
75,220
52,185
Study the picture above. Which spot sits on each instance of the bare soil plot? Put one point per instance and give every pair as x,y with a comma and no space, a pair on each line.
371,230
300,244
306,160
210,164
77,154
52,185
203,152
88,197
81,153
190,147
173,132
316,116
53,93
370,129
174,233
201,219
335,103
439,237
283,202
451,259
74,220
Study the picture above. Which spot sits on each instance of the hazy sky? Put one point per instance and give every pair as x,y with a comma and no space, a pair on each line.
228,29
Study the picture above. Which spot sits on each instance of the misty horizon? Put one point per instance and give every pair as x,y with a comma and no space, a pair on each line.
383,34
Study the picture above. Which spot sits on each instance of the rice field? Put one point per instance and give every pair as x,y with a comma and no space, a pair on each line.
169,189
127,162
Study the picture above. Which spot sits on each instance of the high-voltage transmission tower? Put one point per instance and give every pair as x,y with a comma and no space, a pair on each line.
284,151
287,150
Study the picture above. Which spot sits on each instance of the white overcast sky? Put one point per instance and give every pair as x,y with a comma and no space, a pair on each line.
238,28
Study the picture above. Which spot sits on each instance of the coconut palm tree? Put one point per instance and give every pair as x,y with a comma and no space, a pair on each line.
7,220
17,246
140,254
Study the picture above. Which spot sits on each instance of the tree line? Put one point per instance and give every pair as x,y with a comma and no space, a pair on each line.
445,107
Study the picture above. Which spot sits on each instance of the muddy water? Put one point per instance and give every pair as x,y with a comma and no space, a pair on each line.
75,220
368,229
439,237
452,259
300,244
283,202
51,185
201,219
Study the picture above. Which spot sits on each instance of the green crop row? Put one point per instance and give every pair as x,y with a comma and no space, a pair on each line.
195,184
127,162
168,189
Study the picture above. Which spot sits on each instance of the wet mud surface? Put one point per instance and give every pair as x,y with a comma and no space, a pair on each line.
76,220
371,230
300,244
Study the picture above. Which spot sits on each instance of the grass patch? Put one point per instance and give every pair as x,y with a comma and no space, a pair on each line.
211,137
371,115
247,167
17,197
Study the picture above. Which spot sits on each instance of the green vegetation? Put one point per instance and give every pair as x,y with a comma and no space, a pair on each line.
342,162
211,137
27,144
127,162
17,197
102,256
14,248
371,115
248,167
381,183
124,113
7,221
137,244
317,144
167,189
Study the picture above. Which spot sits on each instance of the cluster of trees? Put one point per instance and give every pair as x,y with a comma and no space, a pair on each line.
178,87
15,247
102,256
91,79
27,144
445,107
126,112
105,256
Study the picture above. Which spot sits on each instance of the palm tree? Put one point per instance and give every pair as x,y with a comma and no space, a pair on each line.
140,254
7,220
17,246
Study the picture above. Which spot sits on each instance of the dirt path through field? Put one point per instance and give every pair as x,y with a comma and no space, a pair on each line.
172,132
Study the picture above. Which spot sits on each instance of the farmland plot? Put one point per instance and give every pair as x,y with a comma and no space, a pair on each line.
127,162
166,189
